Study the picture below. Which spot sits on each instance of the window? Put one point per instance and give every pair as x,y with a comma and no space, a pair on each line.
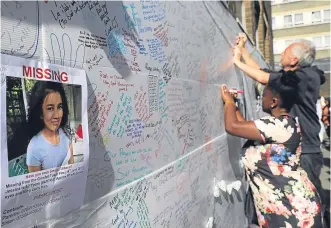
275,46
284,1
273,23
298,18
288,21
288,42
316,17
257,39
327,41
243,15
327,15
317,40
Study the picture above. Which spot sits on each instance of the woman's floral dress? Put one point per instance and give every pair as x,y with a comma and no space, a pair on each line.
282,192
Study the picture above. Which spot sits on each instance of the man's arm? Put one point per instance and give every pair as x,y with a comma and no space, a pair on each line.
241,40
255,74
249,60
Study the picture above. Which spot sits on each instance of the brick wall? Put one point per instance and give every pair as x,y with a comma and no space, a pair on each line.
249,19
265,35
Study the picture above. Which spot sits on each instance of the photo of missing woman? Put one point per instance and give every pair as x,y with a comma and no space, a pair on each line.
44,125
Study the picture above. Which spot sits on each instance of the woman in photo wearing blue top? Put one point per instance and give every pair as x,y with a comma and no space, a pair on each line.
50,145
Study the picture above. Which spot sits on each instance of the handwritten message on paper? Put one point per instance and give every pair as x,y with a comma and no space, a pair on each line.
115,81
153,93
141,104
130,45
94,61
161,32
91,40
152,10
175,98
163,107
99,111
142,47
171,68
132,164
64,12
122,116
156,51
135,128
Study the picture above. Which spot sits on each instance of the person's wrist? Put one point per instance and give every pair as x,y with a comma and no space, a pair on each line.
244,51
236,61
229,102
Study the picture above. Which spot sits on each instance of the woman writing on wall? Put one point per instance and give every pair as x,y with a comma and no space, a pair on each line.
283,194
50,145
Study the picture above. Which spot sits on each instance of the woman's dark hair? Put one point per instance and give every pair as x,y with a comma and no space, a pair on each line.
286,87
38,94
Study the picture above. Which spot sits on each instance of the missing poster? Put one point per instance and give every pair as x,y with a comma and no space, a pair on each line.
44,141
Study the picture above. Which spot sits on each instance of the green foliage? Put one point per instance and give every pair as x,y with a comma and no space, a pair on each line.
29,84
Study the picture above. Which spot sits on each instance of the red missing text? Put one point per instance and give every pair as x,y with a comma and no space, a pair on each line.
46,73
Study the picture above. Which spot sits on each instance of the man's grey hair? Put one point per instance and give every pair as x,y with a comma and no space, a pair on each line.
305,51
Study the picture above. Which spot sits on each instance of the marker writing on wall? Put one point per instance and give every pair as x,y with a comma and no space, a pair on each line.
236,91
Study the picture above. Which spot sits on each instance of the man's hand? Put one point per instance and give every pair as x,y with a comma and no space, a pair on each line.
241,39
237,53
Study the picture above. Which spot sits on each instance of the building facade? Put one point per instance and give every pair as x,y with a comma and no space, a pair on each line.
293,20
255,18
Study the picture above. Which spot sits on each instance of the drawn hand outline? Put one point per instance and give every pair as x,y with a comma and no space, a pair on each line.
66,45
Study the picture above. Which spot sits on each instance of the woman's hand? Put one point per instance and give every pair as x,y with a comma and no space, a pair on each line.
226,95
